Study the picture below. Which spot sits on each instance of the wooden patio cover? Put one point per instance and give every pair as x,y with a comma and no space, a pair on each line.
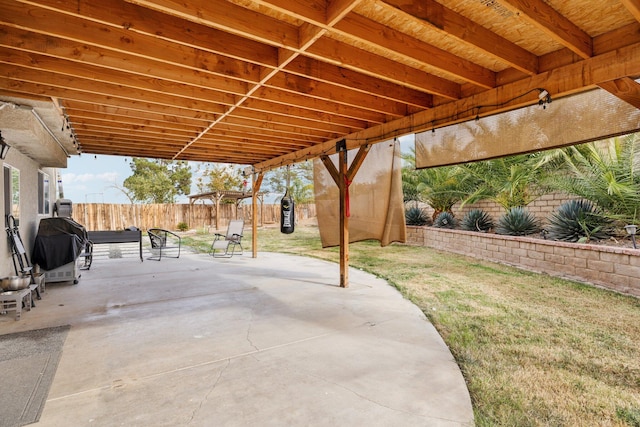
270,82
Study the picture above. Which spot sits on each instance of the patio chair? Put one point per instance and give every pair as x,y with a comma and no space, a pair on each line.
21,262
226,244
163,241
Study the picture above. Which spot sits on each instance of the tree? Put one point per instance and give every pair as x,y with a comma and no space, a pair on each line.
220,177
607,173
300,181
158,181
440,187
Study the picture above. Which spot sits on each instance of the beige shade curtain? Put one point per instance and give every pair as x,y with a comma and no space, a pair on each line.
571,120
375,198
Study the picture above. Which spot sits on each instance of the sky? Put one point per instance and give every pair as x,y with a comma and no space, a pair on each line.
95,178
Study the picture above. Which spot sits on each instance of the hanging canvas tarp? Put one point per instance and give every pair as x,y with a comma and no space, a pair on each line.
571,120
375,200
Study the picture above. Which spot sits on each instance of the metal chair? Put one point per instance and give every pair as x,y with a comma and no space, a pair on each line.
226,244
21,262
163,241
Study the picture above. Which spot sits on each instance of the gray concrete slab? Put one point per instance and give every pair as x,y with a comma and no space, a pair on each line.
269,341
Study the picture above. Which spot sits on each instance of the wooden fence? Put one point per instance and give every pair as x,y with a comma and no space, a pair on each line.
100,216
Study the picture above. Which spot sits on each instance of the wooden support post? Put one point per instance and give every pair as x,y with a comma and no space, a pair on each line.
255,187
343,177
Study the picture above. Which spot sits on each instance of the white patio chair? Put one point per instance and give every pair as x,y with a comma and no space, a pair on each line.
225,244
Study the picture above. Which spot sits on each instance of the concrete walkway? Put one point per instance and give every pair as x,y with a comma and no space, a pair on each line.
270,341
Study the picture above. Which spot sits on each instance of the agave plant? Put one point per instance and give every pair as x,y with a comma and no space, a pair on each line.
416,216
445,220
518,221
477,220
578,220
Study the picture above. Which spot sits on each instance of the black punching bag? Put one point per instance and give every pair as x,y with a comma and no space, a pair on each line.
287,214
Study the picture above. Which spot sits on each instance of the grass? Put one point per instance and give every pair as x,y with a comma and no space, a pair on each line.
534,350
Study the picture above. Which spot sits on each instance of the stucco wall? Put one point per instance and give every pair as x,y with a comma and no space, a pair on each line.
613,268
29,217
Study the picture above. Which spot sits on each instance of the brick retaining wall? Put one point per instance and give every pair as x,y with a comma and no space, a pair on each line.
613,268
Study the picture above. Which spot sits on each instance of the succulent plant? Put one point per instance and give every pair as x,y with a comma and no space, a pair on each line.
477,220
416,216
518,222
445,220
578,220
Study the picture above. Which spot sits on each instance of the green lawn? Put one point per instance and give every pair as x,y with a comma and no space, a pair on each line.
534,350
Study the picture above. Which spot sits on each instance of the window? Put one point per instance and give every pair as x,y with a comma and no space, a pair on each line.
12,192
43,193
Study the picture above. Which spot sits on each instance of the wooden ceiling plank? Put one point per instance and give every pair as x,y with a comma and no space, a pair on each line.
346,56
322,71
336,10
81,116
266,106
229,17
80,108
560,82
85,71
292,128
119,127
304,86
142,20
57,92
66,49
453,24
552,23
258,145
106,89
277,138
48,22
633,6
270,120
625,88
371,32
262,139
343,55
318,105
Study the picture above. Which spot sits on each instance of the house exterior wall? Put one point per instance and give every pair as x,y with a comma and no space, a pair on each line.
29,217
613,268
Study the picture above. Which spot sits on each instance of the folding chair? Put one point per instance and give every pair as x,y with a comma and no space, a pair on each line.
20,259
226,244
161,241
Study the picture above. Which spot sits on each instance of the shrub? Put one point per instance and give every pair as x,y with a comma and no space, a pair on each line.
477,220
183,226
445,220
416,216
578,220
518,222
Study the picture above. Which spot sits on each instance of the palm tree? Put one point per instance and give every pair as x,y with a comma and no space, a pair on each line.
513,181
440,187
607,173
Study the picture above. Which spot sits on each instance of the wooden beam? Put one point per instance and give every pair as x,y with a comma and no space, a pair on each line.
255,188
343,189
68,27
625,88
633,6
562,81
136,19
365,30
453,24
552,23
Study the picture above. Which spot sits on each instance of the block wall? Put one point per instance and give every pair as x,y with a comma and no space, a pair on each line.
613,268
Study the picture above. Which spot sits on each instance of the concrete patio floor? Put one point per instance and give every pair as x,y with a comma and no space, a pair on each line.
270,341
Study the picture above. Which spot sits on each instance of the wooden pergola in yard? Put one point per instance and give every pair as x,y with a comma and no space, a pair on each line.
217,197
267,83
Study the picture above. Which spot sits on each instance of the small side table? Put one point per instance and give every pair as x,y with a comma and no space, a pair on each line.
12,300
